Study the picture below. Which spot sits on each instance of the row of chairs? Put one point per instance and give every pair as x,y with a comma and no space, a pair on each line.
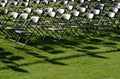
58,23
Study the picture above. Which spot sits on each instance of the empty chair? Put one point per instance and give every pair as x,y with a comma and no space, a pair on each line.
13,6
59,12
87,23
26,32
58,29
108,19
9,28
82,10
23,17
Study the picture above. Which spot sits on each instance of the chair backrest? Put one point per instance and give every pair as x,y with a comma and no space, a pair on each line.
34,19
89,15
75,13
38,12
84,5
69,7
82,9
66,16
51,14
14,15
24,16
45,2
4,1
117,6
117,3
110,14
50,9
60,11
114,9
64,2
54,0
100,6
25,4
28,10
3,4
36,1
96,11
14,3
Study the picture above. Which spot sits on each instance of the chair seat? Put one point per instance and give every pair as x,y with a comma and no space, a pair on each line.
78,26
97,24
56,29
62,23
2,26
12,28
23,31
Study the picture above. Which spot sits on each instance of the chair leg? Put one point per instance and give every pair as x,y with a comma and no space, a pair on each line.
17,40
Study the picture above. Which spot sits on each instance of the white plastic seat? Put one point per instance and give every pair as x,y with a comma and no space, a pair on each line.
69,7
28,10
38,12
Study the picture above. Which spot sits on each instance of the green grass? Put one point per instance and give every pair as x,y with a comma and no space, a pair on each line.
91,58
94,57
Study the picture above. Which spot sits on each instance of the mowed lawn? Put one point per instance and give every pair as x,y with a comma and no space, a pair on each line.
86,58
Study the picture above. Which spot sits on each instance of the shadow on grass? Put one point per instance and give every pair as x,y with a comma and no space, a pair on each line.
45,58
36,55
8,59
51,49
90,47
17,69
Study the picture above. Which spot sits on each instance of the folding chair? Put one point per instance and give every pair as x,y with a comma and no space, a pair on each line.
11,27
86,24
59,12
25,32
108,21
60,26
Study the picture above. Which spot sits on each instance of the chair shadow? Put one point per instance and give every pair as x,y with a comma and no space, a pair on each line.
9,59
17,69
36,54
45,58
90,47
